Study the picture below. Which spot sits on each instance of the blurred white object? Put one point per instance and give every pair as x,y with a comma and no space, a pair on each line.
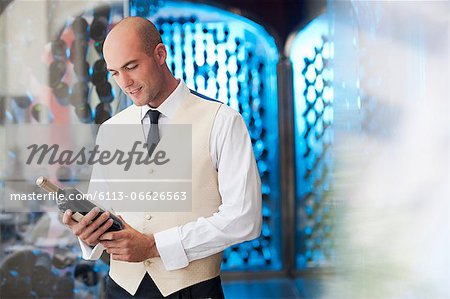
392,173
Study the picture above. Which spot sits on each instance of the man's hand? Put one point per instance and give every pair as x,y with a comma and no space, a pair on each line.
87,230
129,245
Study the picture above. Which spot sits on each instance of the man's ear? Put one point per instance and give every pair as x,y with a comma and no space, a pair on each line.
160,53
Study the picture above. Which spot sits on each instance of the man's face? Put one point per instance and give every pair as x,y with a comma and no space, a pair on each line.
138,74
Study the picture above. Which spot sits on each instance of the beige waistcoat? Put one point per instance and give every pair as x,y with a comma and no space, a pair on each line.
206,199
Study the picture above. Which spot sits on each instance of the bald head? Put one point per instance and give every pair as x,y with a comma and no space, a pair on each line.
143,29
136,59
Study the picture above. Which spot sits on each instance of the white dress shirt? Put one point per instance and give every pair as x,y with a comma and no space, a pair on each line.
239,215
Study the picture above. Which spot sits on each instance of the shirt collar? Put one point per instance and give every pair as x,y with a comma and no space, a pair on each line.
171,104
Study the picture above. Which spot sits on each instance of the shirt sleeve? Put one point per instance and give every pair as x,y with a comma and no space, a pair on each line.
89,253
239,216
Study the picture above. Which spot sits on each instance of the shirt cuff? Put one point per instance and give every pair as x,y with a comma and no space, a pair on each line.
171,251
89,253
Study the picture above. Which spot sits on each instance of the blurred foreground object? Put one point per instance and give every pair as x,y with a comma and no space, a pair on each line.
392,150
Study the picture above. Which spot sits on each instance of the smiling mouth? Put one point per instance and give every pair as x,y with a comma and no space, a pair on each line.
135,91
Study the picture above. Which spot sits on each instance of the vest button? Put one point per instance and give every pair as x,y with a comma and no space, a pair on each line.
150,171
147,263
148,216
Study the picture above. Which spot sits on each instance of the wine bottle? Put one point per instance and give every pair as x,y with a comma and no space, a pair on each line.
74,200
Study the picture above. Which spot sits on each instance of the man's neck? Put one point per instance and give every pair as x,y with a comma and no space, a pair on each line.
171,84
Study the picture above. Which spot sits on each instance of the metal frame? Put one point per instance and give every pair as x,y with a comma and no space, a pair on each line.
287,161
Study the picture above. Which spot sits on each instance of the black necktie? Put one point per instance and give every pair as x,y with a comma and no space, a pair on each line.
153,133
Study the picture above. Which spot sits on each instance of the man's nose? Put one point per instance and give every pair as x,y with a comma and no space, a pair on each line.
126,81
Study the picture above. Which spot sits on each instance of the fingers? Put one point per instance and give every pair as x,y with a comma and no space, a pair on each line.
114,247
79,228
119,257
94,237
67,218
94,225
114,235
112,244
120,254
89,217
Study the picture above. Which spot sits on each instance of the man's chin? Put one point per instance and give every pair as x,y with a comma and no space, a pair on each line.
139,102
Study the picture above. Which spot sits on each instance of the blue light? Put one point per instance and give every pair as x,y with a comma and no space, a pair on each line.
308,230
310,54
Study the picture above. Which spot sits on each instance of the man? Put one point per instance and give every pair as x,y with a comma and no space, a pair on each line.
170,254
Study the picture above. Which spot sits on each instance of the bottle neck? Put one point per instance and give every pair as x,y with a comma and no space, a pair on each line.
45,184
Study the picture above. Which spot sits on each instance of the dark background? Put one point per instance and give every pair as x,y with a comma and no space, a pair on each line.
279,17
